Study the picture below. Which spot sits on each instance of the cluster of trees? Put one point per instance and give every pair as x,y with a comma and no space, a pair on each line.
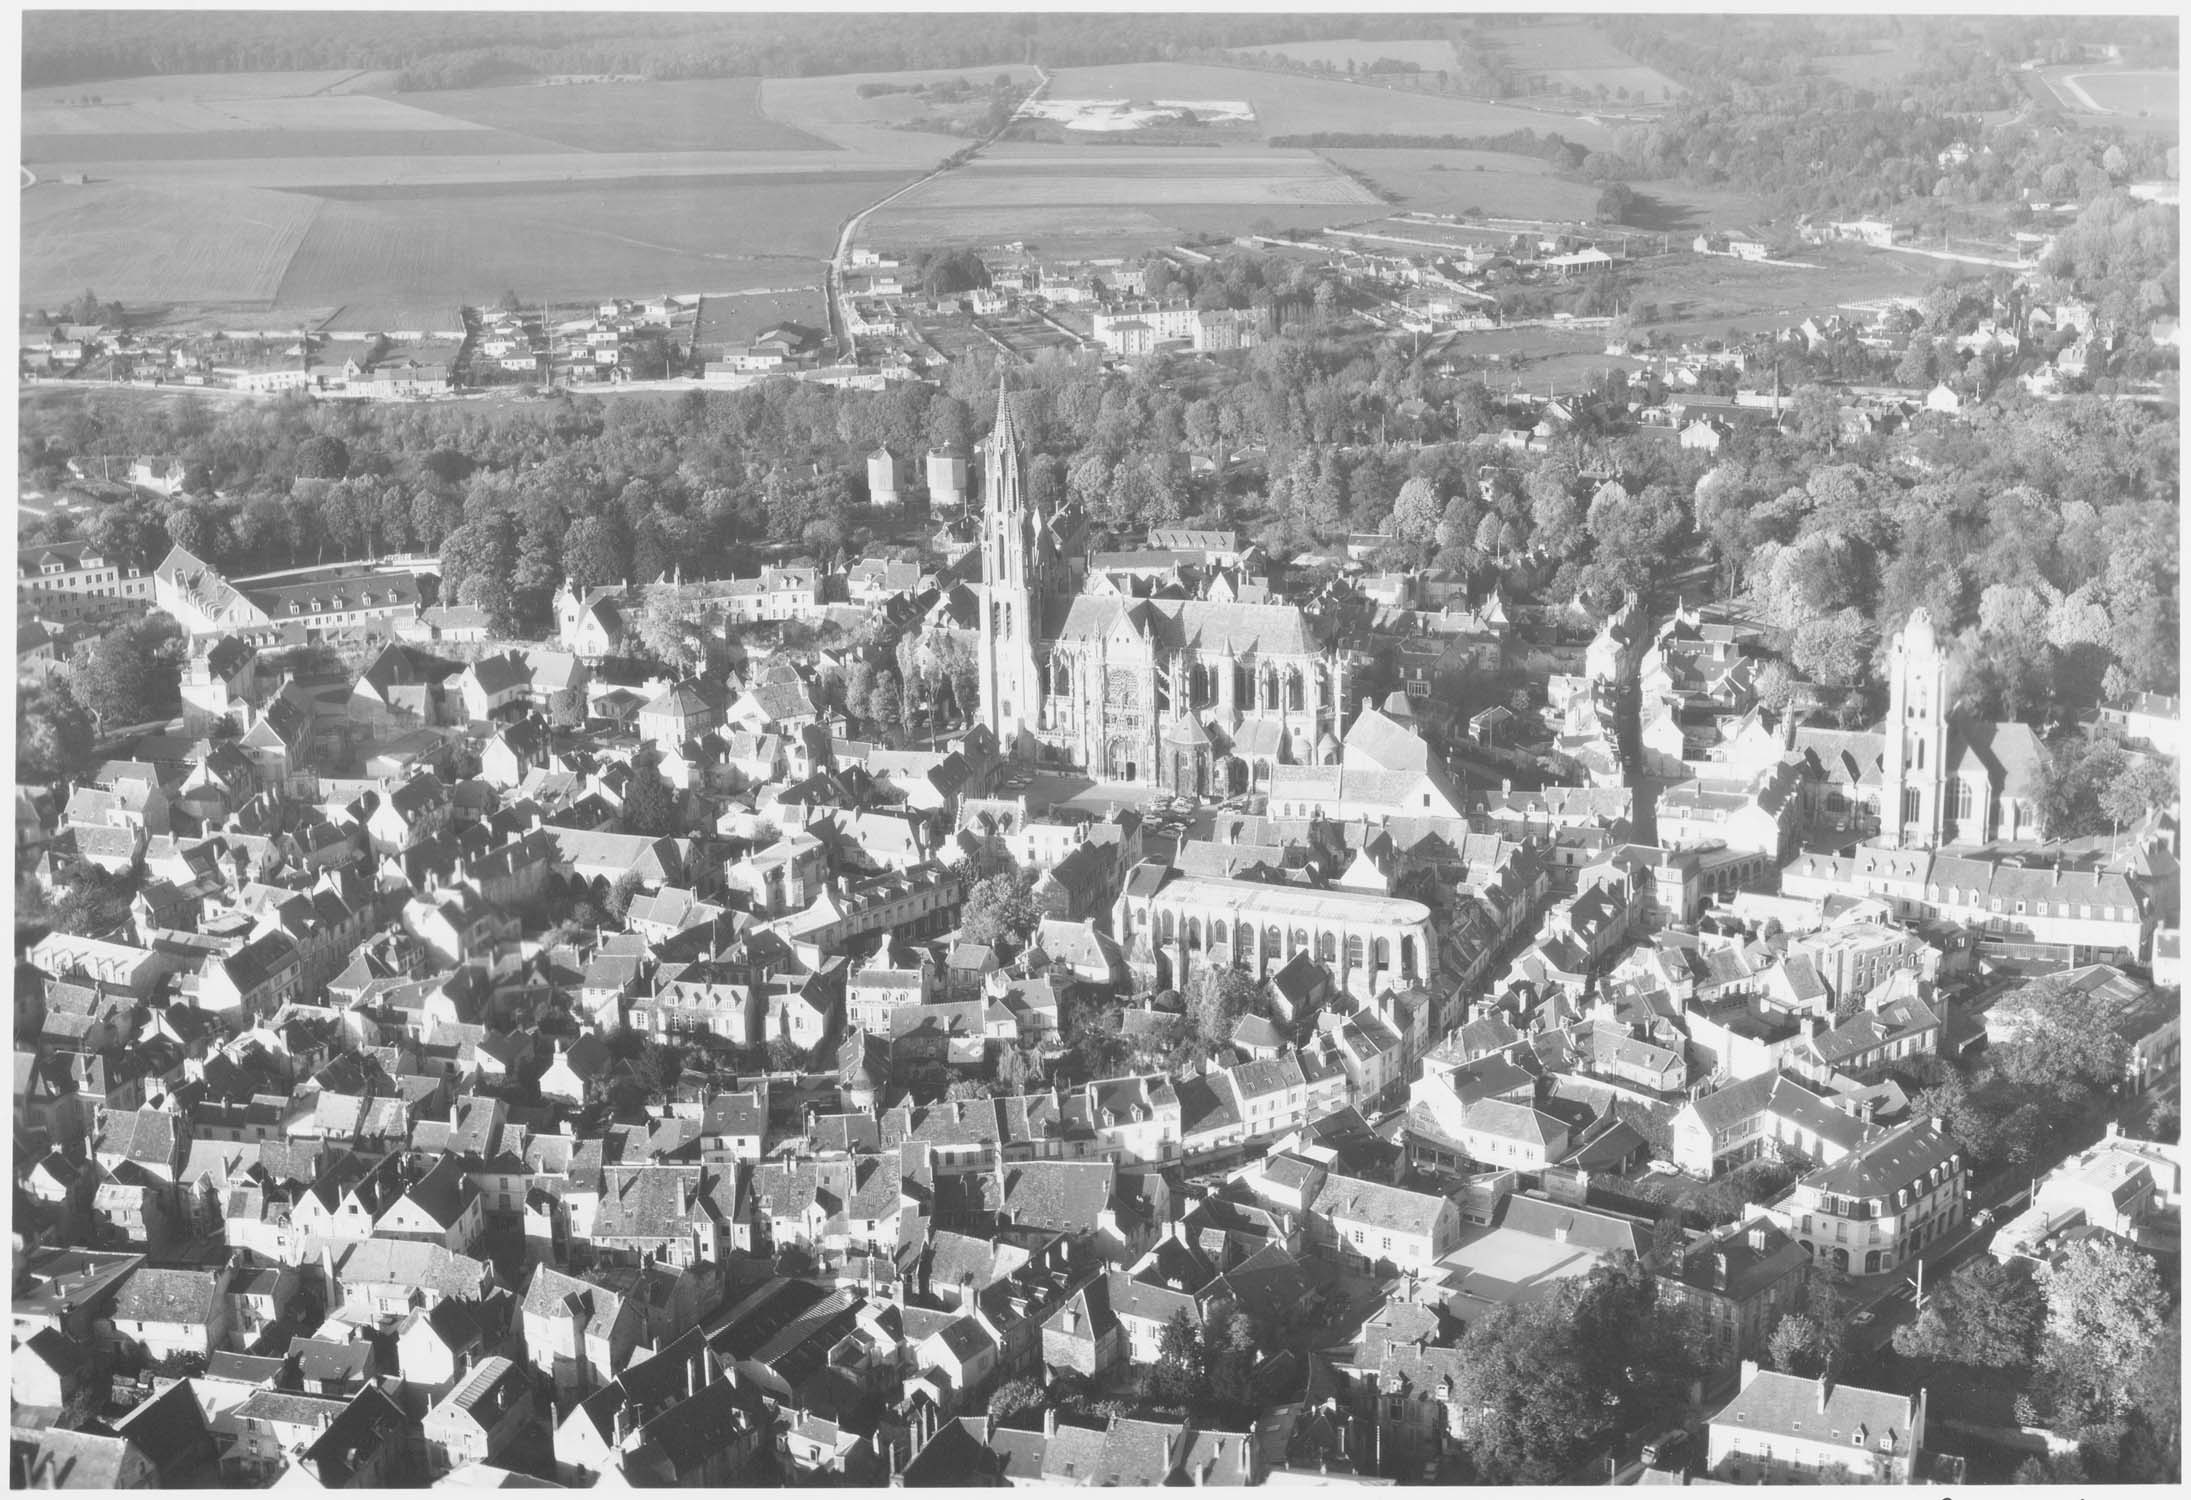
2028,539
1541,1381
2091,784
2067,1052
1208,1372
2095,1347
1763,116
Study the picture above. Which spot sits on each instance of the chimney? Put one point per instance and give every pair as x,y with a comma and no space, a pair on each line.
1749,1371
1049,1420
696,1375
1825,1393
622,1422
1719,1270
1757,1238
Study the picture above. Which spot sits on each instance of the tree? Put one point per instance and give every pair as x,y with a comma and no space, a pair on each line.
650,803
2105,1305
1530,1402
1178,1369
1217,1000
1415,512
596,553
999,908
2065,1047
619,898
112,677
1018,1394
1986,1314
1796,1346
1835,650
53,734
567,707
323,457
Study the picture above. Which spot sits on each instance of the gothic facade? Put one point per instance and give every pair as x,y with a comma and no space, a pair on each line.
1195,696
1946,779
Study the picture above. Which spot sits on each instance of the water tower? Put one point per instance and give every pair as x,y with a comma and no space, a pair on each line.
947,478
882,479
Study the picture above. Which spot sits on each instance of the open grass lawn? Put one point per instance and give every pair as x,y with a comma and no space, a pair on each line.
576,241
1491,183
1286,104
1577,55
136,243
715,114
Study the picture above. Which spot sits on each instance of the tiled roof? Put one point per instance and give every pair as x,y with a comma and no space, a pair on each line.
1795,1407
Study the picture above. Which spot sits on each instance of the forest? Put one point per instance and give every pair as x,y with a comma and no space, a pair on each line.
2027,528
454,48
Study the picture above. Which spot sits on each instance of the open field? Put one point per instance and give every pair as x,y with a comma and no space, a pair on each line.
831,107
1267,177
216,115
1122,115
91,152
1703,295
145,244
1087,230
2154,95
1487,182
1426,55
1576,55
736,319
566,242
717,114
306,174
1287,104
1885,65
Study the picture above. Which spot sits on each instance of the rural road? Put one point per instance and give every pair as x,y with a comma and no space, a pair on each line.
839,328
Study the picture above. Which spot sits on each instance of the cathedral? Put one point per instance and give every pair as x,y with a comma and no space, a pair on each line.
1196,696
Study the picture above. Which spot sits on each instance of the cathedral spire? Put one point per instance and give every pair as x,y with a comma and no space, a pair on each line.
1004,436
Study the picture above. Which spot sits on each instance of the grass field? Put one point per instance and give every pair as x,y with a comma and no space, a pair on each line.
1489,182
1286,104
214,114
88,151
831,107
1576,55
137,243
2153,95
1886,64
1426,55
569,242
1082,181
716,114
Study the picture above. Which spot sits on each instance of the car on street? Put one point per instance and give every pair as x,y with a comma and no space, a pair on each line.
1863,1318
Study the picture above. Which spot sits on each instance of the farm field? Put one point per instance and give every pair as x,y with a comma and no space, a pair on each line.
717,114
831,107
215,114
136,243
89,151
1287,104
1576,55
1270,177
1120,199
1426,55
1489,182
567,242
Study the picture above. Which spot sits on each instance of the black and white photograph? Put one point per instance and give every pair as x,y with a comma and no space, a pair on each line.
1172,747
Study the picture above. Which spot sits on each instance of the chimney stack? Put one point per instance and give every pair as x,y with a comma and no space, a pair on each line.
1825,1391
1049,1420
